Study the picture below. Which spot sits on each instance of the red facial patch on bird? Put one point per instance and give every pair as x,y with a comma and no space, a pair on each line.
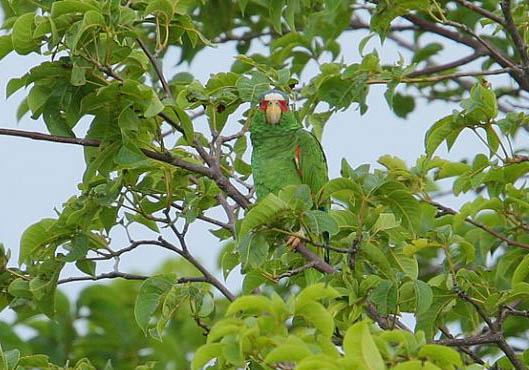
297,160
284,106
263,105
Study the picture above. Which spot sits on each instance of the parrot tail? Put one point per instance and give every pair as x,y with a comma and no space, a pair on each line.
327,242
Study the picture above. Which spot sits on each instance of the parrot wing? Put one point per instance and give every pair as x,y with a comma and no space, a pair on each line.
310,161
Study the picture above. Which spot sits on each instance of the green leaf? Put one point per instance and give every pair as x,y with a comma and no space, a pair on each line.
22,35
316,292
445,357
6,45
38,96
521,272
423,296
404,205
10,359
205,354
319,222
86,266
297,197
34,238
426,52
14,85
129,155
438,133
358,344
43,287
265,211
252,280
59,8
315,314
318,121
287,352
34,361
340,186
481,105
150,297
253,250
403,105
20,288
428,320
377,257
250,304
387,11
384,296
161,8
250,90
385,221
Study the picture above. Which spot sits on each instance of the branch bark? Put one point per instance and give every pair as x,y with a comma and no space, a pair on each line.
511,28
483,227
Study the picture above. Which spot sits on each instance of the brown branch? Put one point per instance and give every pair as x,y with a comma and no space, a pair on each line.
244,37
166,157
319,264
462,348
157,68
519,313
483,12
487,338
357,24
295,271
474,42
509,352
443,67
483,227
109,275
385,322
209,278
510,26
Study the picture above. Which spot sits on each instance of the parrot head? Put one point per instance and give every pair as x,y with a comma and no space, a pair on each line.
273,103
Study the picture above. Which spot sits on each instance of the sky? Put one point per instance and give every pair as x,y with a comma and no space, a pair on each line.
37,177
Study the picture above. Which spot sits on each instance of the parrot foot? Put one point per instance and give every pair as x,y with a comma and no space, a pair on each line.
294,240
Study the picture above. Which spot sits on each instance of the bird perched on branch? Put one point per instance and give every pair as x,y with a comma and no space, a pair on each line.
283,152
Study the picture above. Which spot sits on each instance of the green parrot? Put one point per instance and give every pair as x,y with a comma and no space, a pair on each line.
283,152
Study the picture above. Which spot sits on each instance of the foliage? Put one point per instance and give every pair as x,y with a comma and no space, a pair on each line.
394,248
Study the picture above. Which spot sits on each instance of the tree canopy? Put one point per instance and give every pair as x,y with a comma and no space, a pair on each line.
395,247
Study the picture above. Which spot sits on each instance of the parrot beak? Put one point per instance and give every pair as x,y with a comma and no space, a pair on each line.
273,113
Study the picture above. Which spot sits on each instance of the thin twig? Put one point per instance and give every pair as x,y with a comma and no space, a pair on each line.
109,275
512,29
295,271
157,68
209,278
483,12
503,238
463,348
166,157
443,67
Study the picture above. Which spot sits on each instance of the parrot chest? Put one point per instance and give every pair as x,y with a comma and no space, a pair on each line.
273,164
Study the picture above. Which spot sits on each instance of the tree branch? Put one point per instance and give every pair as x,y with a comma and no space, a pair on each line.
474,42
462,348
510,26
487,338
166,157
483,12
385,322
443,67
157,68
109,275
209,278
483,227
295,271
